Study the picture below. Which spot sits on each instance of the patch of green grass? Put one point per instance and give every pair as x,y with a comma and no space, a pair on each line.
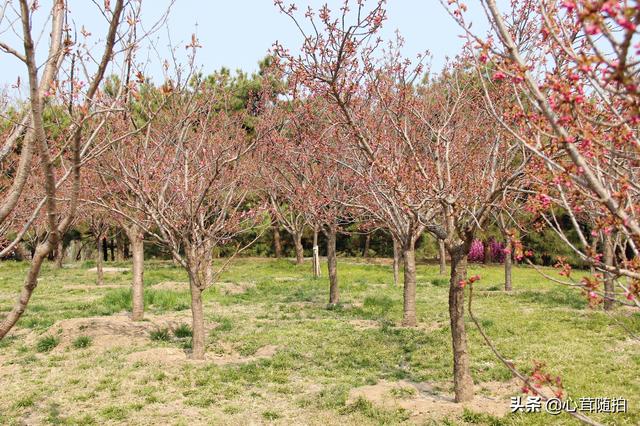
182,331
481,419
161,334
271,415
322,354
7,341
25,402
379,415
47,343
403,392
114,412
82,342
231,409
54,416
440,282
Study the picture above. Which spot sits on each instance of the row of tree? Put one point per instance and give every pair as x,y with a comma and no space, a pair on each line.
532,125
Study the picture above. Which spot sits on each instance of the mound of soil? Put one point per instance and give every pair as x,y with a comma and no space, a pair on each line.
424,402
109,331
175,355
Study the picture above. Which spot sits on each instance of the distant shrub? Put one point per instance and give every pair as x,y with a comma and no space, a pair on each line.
476,251
497,250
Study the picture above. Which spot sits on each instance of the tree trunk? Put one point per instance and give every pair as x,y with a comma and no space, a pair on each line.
29,285
59,253
397,254
508,265
409,257
367,245
208,260
332,264
462,380
297,239
120,244
112,249
99,260
197,326
137,246
487,252
316,254
277,241
442,257
105,249
609,284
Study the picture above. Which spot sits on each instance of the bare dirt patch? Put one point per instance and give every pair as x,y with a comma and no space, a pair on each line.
174,355
172,286
234,288
107,332
110,269
88,287
424,402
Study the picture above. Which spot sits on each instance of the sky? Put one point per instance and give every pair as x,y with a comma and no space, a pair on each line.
237,34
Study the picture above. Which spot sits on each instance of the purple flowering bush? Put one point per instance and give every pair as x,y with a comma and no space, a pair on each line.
476,252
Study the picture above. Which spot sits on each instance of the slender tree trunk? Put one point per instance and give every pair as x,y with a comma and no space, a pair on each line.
442,257
112,249
105,249
208,260
316,254
367,245
99,260
120,247
332,264
29,285
59,253
462,380
277,241
397,255
594,249
137,246
409,256
609,284
197,326
508,265
487,252
297,240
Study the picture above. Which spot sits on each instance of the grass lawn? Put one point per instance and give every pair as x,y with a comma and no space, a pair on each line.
277,355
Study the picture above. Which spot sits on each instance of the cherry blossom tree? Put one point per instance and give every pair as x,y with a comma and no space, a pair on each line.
312,181
191,176
571,66
64,78
427,154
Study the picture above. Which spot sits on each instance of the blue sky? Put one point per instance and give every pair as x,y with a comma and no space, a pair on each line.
236,34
